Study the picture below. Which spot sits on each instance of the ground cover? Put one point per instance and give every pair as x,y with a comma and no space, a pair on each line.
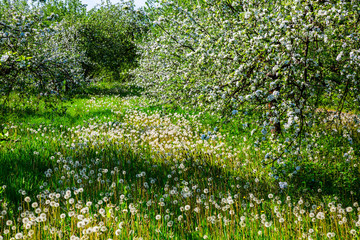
116,166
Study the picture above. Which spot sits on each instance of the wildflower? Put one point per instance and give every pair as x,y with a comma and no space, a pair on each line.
89,231
80,224
19,236
349,209
320,215
121,225
330,234
158,217
25,220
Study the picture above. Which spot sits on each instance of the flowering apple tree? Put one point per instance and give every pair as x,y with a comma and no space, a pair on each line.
291,65
38,55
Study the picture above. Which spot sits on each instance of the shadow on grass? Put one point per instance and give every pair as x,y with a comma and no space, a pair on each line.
198,170
110,89
31,113
21,169
24,170
70,119
328,180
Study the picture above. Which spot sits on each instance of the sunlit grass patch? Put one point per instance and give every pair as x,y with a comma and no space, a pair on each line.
121,173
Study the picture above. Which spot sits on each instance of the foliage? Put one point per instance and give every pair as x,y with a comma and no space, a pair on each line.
64,9
38,56
107,38
279,62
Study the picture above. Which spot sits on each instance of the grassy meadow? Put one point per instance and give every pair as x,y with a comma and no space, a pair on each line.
117,166
184,120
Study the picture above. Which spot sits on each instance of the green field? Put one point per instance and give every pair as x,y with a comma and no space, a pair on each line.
115,166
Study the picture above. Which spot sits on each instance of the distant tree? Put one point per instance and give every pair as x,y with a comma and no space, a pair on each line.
107,37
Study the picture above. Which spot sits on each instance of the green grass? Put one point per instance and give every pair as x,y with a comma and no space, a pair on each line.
20,168
110,131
